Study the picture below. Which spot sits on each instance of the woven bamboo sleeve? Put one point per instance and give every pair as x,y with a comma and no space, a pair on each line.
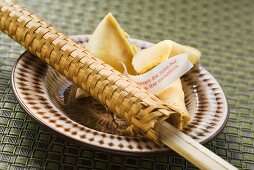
141,109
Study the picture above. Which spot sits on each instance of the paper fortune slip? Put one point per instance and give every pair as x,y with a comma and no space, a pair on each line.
164,74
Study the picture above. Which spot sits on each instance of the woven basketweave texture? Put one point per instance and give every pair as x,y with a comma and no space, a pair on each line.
105,84
223,31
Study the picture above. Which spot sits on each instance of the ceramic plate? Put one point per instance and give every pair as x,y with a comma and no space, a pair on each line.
49,98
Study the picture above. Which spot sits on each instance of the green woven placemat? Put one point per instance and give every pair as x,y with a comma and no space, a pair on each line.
222,30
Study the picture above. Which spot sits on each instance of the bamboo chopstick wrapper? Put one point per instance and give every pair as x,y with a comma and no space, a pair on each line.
141,109
144,111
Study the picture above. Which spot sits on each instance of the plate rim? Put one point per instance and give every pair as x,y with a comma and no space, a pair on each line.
110,150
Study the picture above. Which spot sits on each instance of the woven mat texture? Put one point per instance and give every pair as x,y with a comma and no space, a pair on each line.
222,30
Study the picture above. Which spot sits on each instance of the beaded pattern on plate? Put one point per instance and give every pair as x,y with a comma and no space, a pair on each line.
35,81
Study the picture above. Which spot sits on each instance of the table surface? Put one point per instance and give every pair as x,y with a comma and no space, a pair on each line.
222,30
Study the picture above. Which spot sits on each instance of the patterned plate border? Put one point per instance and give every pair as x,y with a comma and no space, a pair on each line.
35,101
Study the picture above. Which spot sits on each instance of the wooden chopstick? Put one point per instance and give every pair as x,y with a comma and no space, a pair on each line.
194,152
